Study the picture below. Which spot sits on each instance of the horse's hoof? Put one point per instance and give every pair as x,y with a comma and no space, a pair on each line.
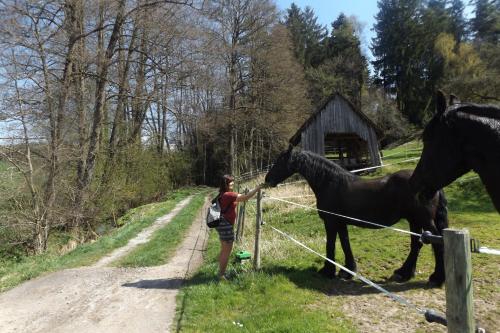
328,273
433,284
400,275
344,275
435,281
396,277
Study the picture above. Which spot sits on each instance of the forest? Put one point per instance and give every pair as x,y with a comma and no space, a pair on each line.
109,104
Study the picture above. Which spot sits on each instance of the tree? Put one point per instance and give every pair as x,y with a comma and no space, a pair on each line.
332,63
307,35
469,73
239,23
54,81
296,25
406,64
458,24
345,63
315,35
397,55
42,57
485,25
383,111
278,92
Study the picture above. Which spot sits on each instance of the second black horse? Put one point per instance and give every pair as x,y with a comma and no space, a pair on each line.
383,201
460,138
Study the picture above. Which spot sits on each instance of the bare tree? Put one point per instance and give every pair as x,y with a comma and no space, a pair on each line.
237,23
116,101
41,43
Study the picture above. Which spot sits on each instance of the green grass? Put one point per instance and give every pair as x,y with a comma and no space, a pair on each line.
14,272
280,298
164,241
288,295
407,151
10,180
285,296
3,166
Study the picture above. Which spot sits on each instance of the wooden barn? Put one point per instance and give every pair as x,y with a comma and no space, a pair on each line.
341,133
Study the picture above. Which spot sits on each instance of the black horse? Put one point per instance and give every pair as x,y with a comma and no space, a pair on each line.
459,138
383,201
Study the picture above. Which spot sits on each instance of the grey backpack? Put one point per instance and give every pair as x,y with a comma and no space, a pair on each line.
214,213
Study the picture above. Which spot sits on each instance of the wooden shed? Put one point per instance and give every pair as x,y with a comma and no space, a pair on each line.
341,133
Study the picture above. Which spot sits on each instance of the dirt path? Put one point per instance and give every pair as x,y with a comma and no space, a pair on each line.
103,299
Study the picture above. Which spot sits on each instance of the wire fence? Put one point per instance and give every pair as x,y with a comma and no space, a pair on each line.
344,216
404,152
360,170
423,236
385,165
393,296
429,314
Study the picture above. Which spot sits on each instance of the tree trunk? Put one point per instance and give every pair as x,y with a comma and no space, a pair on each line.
99,107
56,117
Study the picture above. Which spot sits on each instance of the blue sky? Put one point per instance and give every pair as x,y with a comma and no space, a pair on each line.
364,10
328,10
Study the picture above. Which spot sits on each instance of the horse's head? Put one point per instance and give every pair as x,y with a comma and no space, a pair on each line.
281,169
442,160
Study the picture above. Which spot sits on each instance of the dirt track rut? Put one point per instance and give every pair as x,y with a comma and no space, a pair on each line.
105,299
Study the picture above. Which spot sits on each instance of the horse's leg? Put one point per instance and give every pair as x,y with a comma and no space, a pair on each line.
407,271
350,263
328,269
441,222
436,279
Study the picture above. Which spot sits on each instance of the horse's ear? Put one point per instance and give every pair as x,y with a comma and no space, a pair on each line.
454,100
440,103
290,147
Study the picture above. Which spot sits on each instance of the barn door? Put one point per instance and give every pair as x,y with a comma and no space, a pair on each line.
347,149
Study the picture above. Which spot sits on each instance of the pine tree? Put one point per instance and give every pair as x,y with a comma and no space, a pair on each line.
333,63
436,19
314,36
295,24
486,23
307,35
398,63
344,69
458,24
407,64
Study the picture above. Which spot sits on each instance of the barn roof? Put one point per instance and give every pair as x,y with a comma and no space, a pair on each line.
295,139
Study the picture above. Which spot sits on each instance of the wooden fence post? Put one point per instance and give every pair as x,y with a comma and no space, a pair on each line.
258,221
458,270
241,220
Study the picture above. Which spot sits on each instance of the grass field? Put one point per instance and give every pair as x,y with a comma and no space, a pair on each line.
288,295
9,175
9,181
164,242
13,272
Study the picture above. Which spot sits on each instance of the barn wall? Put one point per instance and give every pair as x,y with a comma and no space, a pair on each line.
338,117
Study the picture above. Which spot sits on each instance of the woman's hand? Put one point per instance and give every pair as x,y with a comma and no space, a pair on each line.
245,197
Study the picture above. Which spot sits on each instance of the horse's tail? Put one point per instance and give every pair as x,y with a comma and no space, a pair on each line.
441,218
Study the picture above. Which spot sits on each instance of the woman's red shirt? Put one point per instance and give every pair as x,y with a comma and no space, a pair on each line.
228,199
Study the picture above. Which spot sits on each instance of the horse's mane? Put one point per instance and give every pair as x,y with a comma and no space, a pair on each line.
479,110
321,169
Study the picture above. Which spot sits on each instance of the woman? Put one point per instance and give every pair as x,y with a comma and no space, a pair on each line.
228,201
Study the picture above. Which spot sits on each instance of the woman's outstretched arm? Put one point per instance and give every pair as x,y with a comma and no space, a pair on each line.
245,197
